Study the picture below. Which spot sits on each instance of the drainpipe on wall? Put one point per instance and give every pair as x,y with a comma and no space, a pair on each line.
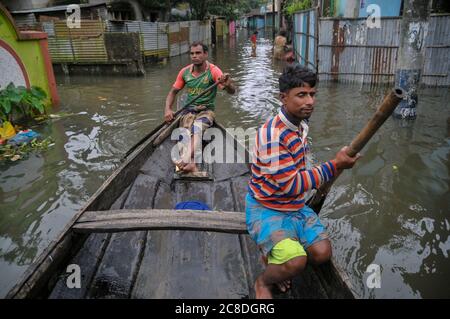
413,32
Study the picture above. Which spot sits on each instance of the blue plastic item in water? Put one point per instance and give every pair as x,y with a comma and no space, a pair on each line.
23,137
195,205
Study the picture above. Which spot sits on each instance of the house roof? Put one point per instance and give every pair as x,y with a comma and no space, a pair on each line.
56,8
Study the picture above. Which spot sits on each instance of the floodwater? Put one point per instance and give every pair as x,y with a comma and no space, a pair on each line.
391,210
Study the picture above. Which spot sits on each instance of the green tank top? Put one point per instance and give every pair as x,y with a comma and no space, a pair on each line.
196,85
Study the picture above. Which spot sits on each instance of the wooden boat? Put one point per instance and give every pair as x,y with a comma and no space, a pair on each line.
129,242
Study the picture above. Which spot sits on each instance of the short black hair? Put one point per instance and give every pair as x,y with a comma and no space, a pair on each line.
296,76
197,43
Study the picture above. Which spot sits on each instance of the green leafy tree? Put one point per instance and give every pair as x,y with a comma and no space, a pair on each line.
230,9
200,9
293,6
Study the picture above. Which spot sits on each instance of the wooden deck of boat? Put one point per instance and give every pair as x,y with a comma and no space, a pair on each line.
180,264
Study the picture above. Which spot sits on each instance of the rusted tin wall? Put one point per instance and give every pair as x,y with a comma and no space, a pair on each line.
153,36
200,31
184,37
181,34
349,51
92,49
85,44
174,39
437,52
178,38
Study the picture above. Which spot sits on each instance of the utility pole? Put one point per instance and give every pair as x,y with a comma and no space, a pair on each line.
168,6
273,18
413,32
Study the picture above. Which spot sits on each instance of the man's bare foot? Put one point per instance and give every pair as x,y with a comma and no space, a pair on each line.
283,286
190,168
179,165
262,291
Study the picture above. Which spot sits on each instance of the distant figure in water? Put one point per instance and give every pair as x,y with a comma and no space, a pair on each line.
253,40
279,44
288,55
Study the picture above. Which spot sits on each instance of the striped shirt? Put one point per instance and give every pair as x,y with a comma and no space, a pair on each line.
279,175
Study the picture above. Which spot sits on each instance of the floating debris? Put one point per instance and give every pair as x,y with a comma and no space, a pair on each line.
14,152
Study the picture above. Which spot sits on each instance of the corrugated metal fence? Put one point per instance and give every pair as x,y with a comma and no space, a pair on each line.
349,51
86,44
153,35
200,31
437,52
305,37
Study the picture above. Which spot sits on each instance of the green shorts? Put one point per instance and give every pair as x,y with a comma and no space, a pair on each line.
285,250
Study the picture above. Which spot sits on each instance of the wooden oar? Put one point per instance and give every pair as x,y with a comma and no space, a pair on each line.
164,125
386,108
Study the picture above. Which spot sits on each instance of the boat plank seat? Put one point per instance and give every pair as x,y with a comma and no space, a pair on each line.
161,219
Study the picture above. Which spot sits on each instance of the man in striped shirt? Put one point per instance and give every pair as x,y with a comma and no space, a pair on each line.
286,230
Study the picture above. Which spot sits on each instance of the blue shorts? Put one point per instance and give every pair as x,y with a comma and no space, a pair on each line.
267,227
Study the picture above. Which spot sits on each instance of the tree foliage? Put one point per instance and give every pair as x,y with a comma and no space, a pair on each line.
293,6
200,9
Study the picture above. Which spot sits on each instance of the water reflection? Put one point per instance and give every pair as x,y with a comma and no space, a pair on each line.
392,209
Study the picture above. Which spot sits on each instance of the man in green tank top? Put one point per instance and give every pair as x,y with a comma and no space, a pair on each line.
197,77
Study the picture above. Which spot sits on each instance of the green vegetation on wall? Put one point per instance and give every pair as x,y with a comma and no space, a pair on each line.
30,55
293,6
21,102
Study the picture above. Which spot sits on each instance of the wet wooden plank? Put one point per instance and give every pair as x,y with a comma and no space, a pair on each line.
166,219
191,264
87,258
307,286
223,171
233,163
115,275
147,283
223,197
117,270
159,164
253,263
166,133
335,282
165,197
202,175
239,185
